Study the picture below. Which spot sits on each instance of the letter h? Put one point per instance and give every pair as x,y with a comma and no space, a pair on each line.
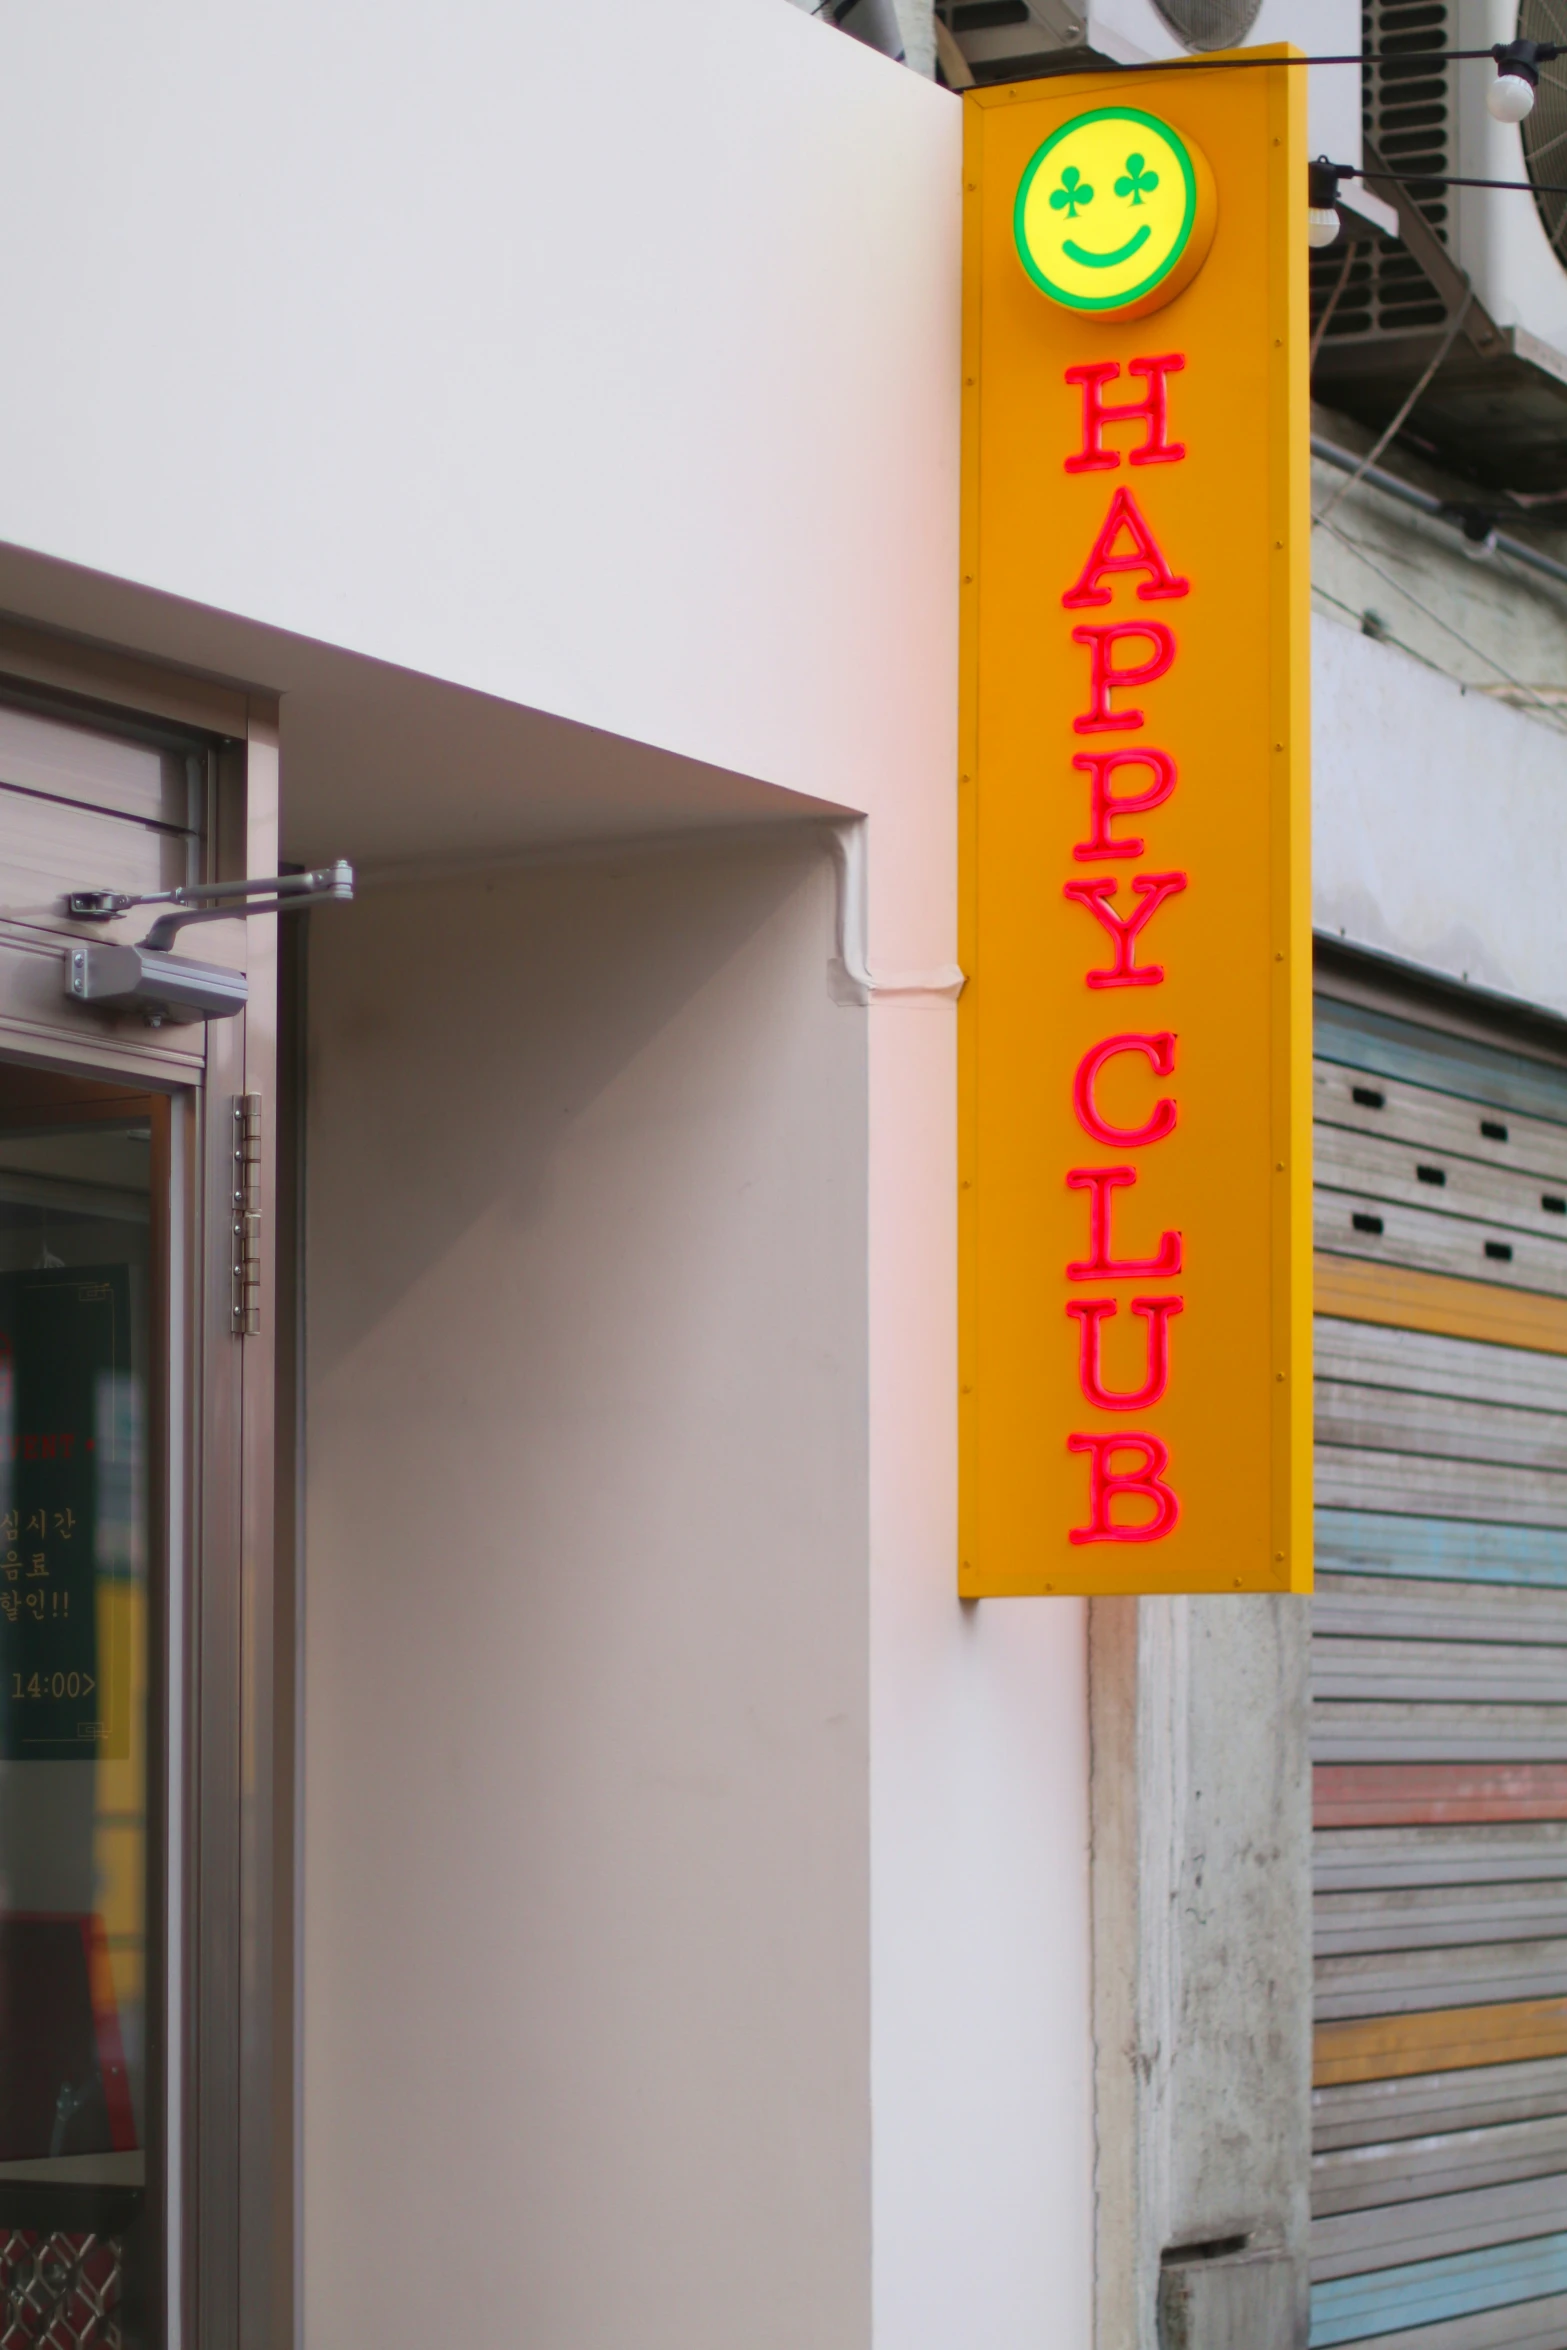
1151,411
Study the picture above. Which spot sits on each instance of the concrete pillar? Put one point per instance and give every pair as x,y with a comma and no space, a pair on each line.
1202,1972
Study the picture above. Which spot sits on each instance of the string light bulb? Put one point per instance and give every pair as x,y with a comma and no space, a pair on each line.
1322,215
1511,96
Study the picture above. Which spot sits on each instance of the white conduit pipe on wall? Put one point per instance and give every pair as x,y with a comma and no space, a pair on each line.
851,978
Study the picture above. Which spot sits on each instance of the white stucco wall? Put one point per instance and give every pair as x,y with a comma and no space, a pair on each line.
585,1809
1438,829
601,357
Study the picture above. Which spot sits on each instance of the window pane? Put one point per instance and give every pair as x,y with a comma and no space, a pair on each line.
78,2080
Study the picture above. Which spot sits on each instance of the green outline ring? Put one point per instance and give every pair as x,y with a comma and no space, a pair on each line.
1168,132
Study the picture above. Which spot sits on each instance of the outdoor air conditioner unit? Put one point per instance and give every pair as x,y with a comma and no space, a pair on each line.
1381,305
1514,247
1008,40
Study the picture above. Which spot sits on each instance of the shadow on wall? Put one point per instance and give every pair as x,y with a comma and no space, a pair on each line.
586,1671
462,1031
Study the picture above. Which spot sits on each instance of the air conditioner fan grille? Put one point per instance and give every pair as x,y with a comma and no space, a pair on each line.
1407,109
1209,24
1544,132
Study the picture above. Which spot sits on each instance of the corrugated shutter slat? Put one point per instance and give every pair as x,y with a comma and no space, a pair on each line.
1439,1694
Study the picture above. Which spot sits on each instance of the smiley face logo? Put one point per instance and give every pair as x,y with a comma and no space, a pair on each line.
1115,213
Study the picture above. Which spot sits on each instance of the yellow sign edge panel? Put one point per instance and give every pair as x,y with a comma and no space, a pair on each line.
968,807
1288,525
1289,465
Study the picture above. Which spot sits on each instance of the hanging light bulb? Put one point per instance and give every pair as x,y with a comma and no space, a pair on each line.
1322,218
1511,96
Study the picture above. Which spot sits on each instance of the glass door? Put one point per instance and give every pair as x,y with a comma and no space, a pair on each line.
83,1383
146,1601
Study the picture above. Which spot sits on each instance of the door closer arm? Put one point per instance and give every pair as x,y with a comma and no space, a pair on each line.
162,986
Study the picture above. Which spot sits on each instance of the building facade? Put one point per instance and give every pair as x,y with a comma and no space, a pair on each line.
507,1832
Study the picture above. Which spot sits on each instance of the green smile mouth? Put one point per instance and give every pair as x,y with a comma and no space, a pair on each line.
1134,244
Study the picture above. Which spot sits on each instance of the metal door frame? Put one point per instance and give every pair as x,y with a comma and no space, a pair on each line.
228,1749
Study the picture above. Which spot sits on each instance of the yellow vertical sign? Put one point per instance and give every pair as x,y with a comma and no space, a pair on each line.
1135,1036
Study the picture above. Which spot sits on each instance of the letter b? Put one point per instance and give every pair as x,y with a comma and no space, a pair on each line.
1107,1486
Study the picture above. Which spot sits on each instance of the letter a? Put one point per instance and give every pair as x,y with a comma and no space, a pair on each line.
1142,555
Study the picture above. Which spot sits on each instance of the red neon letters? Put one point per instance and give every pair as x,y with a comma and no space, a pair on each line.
1142,555
1105,675
1159,1052
1101,1262
1152,889
1156,1312
1144,1483
1105,805
1128,1498
1150,411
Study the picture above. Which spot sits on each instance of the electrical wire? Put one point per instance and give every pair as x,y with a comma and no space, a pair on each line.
1442,349
1361,57
1321,328
1399,179
1384,636
1547,710
1448,179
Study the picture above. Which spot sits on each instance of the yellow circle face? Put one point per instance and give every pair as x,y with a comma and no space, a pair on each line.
1115,213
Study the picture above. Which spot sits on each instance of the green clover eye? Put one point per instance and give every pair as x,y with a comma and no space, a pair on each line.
1073,191
1136,180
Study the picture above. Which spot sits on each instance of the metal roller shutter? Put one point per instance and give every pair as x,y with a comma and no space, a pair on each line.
1439,1692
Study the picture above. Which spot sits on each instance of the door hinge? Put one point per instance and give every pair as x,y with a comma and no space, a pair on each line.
245,1224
